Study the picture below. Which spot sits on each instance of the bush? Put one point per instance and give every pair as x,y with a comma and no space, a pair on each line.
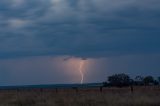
148,80
138,81
119,80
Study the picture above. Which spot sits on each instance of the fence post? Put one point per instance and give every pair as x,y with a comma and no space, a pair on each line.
101,89
131,87
56,90
75,88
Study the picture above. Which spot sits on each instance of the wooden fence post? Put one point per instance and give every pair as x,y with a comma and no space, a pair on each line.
101,89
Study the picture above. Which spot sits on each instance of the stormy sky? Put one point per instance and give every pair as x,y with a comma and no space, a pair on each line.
43,41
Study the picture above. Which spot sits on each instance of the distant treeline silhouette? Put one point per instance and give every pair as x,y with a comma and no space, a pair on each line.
121,80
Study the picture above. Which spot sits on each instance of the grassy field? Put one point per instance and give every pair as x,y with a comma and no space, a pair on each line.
142,96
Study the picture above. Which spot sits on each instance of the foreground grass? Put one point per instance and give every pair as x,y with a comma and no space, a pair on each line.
84,97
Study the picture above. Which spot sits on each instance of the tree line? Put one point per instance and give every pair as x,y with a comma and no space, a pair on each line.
122,79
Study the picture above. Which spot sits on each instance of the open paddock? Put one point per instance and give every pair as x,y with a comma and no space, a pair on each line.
141,96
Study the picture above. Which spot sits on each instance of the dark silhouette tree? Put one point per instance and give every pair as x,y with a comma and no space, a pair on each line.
119,80
138,80
148,80
159,80
155,82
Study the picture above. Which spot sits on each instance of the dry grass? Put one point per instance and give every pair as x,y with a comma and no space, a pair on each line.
85,97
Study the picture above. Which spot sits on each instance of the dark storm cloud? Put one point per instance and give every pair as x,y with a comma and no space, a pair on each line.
92,28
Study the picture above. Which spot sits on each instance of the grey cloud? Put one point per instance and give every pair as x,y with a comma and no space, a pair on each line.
79,28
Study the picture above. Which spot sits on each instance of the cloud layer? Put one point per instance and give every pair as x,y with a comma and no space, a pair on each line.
81,28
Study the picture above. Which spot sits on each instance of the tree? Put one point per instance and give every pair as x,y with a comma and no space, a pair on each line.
148,80
155,82
138,80
119,80
159,80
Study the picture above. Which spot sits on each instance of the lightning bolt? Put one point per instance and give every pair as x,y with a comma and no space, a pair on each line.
81,71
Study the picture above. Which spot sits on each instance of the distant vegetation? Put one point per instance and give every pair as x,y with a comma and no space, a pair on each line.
121,80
